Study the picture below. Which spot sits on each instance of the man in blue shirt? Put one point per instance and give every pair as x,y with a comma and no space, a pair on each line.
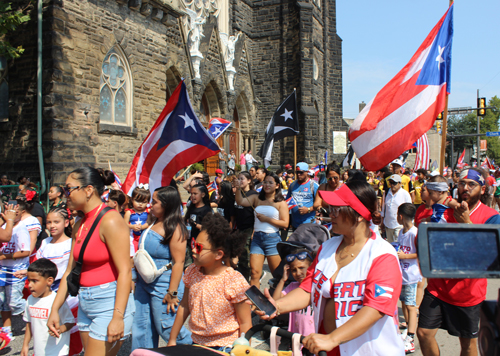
303,191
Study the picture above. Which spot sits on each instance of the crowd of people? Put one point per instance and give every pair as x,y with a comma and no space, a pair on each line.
101,266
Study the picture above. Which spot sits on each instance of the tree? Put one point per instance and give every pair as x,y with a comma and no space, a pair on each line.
467,124
9,21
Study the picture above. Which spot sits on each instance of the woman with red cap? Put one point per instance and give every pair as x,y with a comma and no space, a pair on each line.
356,277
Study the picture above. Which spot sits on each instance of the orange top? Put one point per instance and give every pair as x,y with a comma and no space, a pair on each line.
98,267
213,319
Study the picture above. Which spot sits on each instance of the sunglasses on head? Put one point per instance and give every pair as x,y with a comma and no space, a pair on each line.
301,256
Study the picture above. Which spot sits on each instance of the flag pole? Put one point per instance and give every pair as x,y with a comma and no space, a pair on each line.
444,129
295,145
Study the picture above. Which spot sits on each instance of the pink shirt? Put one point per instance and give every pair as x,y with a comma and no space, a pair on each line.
301,321
242,159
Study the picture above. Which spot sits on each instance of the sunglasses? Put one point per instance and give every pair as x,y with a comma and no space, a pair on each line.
334,210
301,256
393,182
69,190
197,247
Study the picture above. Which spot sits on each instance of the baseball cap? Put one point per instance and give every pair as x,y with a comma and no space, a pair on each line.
288,166
311,173
398,162
218,170
396,178
302,167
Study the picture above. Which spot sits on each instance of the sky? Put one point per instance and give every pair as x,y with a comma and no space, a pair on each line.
380,37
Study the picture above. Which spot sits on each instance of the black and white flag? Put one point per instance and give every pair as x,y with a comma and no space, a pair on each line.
349,158
285,122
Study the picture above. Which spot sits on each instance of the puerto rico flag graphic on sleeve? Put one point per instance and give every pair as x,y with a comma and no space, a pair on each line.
176,140
408,105
382,291
217,126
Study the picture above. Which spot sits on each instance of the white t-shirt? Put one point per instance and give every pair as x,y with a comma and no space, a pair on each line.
20,241
392,203
409,267
32,224
37,312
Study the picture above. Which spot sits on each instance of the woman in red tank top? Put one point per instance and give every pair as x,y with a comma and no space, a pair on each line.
106,304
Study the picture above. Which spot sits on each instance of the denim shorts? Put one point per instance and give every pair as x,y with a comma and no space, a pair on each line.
96,307
265,243
11,298
409,294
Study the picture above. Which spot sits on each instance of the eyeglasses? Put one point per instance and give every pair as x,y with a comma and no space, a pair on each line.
69,190
334,210
197,247
301,256
471,185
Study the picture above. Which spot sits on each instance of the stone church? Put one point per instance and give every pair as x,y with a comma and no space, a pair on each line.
109,66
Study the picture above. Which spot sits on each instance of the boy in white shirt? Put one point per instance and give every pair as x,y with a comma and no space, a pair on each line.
41,275
407,254
14,256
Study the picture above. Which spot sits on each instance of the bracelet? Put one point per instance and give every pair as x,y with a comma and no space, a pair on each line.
277,309
118,310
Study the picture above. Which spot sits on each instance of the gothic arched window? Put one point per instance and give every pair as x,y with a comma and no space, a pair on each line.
116,89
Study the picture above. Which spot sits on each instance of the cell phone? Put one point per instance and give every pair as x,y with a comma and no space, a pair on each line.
12,202
260,301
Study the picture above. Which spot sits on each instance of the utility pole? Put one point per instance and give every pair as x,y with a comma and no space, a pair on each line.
478,137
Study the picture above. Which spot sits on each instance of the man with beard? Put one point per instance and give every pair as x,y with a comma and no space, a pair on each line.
454,304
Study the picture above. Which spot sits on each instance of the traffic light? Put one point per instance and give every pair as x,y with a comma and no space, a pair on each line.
481,103
440,116
438,126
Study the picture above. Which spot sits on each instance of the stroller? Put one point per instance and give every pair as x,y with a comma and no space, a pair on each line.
309,236
196,350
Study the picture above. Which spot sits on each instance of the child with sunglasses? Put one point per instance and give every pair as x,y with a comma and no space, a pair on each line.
297,263
214,293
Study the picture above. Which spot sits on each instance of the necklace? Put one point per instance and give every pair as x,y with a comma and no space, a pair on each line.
86,228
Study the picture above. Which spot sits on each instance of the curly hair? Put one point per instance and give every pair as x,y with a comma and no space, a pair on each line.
220,236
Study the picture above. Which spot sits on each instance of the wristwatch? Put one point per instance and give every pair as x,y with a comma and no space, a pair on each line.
309,210
173,294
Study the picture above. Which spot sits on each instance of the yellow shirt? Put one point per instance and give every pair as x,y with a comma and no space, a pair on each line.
418,191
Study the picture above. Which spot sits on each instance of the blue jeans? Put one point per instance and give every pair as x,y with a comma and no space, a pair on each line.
151,318
11,298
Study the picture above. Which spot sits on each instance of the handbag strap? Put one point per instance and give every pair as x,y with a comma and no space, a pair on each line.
94,225
143,236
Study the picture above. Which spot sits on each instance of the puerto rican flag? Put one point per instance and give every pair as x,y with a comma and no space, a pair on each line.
461,160
291,203
117,179
176,140
487,164
212,187
383,291
408,105
217,126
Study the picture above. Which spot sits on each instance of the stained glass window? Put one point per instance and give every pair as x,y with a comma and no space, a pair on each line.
116,89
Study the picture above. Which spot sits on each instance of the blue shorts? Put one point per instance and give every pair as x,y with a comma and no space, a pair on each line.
96,307
409,294
11,298
265,243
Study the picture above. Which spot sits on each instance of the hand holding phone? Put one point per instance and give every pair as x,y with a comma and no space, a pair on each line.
260,301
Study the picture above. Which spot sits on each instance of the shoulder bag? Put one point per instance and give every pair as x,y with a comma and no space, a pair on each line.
73,279
144,263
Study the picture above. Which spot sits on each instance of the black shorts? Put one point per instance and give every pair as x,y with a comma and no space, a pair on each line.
458,321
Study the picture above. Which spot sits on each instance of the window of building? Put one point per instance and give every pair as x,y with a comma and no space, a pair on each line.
4,90
116,95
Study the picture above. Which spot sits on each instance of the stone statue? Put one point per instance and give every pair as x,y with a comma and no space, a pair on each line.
229,47
195,31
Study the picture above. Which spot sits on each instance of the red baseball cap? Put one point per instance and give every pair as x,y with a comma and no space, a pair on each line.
288,166
218,170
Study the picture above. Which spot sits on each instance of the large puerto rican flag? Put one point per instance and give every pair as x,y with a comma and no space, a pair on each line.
176,140
408,105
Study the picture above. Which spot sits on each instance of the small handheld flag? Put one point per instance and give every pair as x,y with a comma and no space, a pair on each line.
291,203
217,126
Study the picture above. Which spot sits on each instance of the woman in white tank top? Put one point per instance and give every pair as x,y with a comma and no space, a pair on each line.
271,213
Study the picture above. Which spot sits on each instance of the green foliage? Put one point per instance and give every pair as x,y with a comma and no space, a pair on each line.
198,166
9,21
467,124
237,168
